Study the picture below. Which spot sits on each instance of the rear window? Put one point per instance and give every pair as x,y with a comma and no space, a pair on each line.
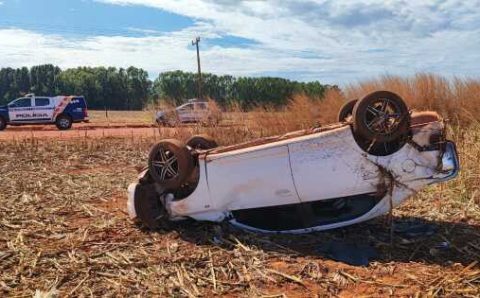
42,101
80,101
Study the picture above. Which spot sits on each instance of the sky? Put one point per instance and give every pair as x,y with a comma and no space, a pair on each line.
333,41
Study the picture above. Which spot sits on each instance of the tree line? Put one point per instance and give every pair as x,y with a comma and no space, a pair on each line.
247,91
131,89
114,88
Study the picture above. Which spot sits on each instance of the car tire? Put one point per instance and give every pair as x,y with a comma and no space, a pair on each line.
148,207
3,123
165,122
346,110
202,142
63,122
170,163
381,117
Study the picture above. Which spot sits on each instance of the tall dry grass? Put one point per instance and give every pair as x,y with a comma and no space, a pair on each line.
301,112
456,99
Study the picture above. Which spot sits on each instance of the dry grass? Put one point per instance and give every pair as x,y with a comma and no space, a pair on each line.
456,99
64,228
121,117
301,112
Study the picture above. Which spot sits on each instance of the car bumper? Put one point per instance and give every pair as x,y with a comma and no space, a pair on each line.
83,120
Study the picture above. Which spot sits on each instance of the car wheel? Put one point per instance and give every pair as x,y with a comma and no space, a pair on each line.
63,122
346,110
170,163
148,206
160,122
169,122
3,123
202,142
381,117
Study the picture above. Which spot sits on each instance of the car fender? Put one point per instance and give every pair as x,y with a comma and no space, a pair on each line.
198,203
160,115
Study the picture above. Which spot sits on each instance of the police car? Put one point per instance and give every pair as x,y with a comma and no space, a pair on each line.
59,110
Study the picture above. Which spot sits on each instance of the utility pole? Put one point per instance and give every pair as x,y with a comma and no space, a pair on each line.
199,82
103,93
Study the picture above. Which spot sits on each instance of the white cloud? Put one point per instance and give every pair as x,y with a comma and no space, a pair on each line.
333,41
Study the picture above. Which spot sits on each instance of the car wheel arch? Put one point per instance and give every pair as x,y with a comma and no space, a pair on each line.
3,122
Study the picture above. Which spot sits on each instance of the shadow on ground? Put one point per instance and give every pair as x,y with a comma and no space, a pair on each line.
436,242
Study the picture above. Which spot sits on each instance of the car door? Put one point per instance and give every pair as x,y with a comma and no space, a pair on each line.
21,110
186,113
43,109
246,178
327,165
201,111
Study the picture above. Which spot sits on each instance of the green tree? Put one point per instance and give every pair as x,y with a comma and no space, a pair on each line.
178,86
131,88
7,77
43,79
22,80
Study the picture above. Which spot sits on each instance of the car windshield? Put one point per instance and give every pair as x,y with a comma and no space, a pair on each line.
187,106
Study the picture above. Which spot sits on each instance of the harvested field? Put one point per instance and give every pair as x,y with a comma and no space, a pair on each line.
64,229
121,117
78,132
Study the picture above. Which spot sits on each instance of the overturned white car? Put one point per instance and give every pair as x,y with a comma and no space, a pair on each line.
372,160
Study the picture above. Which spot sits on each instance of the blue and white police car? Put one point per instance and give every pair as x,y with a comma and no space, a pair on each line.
30,109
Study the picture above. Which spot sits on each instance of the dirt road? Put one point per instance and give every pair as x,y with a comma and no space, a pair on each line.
78,131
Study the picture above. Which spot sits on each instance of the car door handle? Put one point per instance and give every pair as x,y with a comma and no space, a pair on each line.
283,193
